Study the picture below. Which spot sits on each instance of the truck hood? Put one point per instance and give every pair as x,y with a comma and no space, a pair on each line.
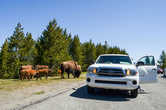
123,66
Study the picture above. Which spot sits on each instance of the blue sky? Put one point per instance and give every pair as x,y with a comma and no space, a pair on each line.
139,26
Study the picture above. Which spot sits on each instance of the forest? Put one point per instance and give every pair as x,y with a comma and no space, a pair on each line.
54,46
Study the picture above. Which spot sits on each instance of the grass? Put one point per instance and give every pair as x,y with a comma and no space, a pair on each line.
39,93
14,84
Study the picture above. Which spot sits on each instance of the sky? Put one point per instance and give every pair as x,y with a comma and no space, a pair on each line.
139,26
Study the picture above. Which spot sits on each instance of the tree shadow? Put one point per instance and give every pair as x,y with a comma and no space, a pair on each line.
101,94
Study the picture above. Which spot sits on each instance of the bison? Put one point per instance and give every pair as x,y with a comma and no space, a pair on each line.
43,70
27,72
70,67
78,71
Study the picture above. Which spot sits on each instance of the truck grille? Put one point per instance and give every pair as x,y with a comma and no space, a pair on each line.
114,72
111,82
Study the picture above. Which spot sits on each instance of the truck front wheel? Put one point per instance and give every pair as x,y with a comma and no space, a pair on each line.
134,93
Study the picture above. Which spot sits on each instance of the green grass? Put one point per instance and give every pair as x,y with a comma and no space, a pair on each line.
39,93
83,72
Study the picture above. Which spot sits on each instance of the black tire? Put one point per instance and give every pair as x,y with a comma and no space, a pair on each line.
134,93
90,90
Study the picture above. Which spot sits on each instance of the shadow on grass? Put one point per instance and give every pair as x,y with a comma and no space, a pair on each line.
101,94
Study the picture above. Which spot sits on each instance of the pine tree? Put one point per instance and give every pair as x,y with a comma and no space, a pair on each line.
0,62
28,50
105,47
99,49
75,49
110,50
16,56
163,60
89,54
4,60
116,50
52,46
123,51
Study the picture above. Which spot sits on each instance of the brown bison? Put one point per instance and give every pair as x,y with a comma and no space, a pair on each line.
22,74
70,67
32,73
27,72
78,71
27,67
43,70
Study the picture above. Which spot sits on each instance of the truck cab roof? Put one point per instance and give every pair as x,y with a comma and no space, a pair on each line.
113,55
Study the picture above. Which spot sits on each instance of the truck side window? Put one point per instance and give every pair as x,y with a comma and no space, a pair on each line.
143,59
152,61
148,60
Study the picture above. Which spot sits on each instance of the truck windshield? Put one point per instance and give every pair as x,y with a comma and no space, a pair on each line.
114,60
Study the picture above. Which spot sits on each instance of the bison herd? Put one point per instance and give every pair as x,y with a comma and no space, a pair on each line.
29,72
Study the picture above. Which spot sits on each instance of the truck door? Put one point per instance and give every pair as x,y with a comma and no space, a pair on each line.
147,69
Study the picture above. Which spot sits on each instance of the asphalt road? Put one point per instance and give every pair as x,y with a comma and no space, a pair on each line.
153,98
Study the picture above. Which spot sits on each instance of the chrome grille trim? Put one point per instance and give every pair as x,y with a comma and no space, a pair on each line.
115,72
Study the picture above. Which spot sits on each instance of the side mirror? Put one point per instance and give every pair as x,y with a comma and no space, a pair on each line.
140,63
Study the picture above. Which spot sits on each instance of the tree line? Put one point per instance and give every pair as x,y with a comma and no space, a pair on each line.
162,60
54,46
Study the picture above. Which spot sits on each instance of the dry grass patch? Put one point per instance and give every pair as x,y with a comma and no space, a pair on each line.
14,84
39,93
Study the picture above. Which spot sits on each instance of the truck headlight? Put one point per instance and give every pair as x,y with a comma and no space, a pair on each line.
131,72
92,70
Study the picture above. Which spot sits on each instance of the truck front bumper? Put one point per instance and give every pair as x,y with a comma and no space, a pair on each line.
108,82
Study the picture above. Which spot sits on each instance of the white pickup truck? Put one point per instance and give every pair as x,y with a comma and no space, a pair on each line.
116,71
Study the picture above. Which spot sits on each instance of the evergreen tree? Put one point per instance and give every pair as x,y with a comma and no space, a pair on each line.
115,50
110,50
75,49
105,47
0,61
28,50
89,54
99,49
52,46
163,60
123,51
16,56
4,60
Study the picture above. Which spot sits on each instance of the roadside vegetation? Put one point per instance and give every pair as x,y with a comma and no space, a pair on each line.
54,46
15,84
162,60
39,93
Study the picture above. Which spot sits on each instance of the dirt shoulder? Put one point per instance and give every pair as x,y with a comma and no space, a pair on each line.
15,94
